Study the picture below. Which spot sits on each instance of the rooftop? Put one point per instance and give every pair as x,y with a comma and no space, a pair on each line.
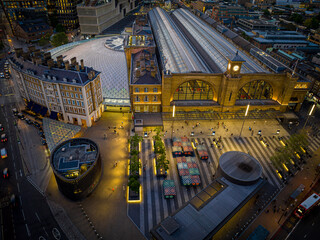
60,75
74,157
35,25
112,65
204,214
145,68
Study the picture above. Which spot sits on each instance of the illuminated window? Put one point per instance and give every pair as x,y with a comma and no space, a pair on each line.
193,90
256,90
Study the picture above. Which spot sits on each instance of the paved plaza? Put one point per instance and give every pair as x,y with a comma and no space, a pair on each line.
154,208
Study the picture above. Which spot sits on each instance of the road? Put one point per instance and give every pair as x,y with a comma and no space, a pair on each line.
32,217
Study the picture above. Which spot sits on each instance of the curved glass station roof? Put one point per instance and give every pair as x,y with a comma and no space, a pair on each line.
218,48
112,65
177,55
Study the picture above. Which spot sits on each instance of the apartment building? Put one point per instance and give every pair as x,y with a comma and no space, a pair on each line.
69,91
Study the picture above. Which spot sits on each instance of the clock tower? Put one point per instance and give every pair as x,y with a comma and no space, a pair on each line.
234,64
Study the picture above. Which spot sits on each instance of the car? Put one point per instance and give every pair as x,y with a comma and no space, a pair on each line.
28,121
43,141
4,137
1,127
1,75
15,111
3,153
36,124
145,134
6,173
21,116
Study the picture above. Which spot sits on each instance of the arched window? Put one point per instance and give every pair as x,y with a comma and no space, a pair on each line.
193,90
256,90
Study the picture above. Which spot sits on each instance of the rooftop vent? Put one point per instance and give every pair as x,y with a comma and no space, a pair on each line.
65,79
43,76
49,77
74,80
54,78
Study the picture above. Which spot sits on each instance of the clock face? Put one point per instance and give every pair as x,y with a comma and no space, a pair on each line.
236,68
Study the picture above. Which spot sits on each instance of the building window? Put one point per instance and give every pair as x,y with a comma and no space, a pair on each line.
137,108
258,89
73,102
155,99
155,90
195,90
77,95
71,95
155,108
81,96
136,89
78,103
137,99
82,104
69,102
67,93
62,93
145,89
146,99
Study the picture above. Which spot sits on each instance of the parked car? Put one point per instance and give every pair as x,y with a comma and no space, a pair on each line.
21,116
1,128
3,153
1,75
28,121
6,173
36,124
4,137
15,111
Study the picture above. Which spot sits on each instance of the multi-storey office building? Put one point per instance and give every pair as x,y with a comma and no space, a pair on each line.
66,11
96,16
67,90
19,10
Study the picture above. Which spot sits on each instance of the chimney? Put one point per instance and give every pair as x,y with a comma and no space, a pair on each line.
18,51
67,65
91,75
50,63
73,61
82,64
47,55
38,61
77,67
138,73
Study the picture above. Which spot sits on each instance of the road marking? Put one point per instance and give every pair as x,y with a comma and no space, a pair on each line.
24,218
38,217
14,165
45,231
20,200
28,231
7,120
16,175
305,236
18,187
20,173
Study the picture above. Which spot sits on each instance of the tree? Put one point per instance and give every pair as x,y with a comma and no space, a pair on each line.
297,18
266,13
59,39
311,23
1,45
60,28
134,184
44,40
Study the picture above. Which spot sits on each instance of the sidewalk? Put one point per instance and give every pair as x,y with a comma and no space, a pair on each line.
272,220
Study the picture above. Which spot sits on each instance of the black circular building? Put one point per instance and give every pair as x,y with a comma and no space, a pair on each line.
76,164
240,168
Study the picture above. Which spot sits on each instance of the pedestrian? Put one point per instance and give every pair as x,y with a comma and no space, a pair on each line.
252,133
109,127
254,122
231,134
227,130
112,189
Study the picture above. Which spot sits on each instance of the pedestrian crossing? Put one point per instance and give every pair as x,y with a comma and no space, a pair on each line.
154,207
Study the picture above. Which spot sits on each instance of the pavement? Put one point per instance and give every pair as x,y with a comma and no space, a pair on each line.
273,220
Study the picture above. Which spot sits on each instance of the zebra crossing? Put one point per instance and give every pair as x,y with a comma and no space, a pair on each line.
154,208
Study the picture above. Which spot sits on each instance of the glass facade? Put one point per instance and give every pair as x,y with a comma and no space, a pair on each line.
193,90
256,90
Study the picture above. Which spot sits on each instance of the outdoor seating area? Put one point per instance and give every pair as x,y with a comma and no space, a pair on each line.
188,170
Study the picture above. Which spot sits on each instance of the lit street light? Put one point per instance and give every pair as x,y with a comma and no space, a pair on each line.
311,111
246,113
173,114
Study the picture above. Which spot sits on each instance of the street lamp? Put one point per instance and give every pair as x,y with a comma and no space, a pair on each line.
311,111
173,114
246,113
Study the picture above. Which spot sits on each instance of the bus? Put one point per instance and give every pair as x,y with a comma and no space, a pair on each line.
307,205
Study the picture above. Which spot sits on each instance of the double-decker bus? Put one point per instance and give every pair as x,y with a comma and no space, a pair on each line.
307,205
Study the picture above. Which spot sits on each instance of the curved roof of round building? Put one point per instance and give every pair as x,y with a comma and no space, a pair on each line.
69,157
112,65
240,167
